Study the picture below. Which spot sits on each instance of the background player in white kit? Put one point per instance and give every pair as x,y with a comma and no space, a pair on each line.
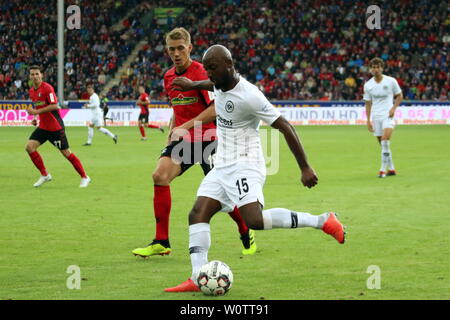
239,169
97,116
379,94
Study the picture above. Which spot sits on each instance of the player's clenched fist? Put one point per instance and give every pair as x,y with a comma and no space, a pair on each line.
309,177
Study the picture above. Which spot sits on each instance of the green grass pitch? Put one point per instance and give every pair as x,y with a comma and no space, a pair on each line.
399,224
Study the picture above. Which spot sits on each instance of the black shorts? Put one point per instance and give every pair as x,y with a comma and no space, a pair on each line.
190,153
143,117
58,138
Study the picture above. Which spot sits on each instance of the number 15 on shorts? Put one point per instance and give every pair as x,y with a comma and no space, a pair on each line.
242,187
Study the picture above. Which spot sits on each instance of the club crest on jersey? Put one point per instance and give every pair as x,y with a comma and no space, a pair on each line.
182,100
229,106
385,87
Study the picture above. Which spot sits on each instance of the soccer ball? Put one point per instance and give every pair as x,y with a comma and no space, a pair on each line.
215,278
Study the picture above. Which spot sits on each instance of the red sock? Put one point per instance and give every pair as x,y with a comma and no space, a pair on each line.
142,131
162,203
153,126
77,165
38,162
236,216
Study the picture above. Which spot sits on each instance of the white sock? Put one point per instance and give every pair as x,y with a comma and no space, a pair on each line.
385,155
90,134
284,218
106,131
199,243
391,162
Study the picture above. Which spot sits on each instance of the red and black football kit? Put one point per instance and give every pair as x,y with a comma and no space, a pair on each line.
51,128
143,116
51,125
194,148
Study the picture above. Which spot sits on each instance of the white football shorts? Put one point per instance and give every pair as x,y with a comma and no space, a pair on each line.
97,120
235,185
380,124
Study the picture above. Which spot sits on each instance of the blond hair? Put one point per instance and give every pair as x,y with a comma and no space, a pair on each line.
179,33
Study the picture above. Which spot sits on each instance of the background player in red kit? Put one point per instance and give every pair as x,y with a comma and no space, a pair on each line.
186,106
144,102
51,128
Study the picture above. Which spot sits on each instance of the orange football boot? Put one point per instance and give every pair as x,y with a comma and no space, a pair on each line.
187,286
334,228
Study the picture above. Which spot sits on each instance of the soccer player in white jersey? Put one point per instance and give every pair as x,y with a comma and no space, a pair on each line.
239,171
97,116
382,95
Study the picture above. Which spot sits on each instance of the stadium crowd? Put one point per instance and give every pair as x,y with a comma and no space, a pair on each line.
315,50
92,54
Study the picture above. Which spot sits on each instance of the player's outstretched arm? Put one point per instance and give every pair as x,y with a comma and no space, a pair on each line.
49,108
206,116
186,84
309,177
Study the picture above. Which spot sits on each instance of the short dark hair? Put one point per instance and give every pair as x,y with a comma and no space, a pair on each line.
36,67
376,62
90,86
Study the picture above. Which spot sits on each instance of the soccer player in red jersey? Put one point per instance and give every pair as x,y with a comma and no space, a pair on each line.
180,155
51,128
144,102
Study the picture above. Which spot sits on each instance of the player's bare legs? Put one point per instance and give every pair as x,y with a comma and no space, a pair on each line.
203,210
166,171
252,214
31,148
